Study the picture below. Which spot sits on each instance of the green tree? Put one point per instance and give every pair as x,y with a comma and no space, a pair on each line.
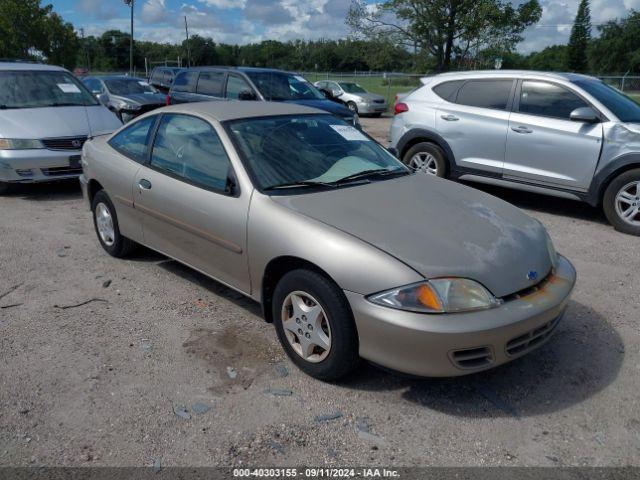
23,28
617,47
447,30
579,40
553,58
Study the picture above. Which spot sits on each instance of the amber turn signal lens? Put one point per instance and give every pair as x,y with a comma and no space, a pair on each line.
428,297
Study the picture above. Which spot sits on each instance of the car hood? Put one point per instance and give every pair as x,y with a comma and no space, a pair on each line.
326,105
53,122
437,227
142,98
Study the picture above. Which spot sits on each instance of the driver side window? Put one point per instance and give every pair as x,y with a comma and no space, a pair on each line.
188,148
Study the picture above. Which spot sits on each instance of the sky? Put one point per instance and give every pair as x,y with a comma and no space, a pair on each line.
245,21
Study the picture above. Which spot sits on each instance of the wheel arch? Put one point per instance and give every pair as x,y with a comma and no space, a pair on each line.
418,135
278,268
93,188
606,175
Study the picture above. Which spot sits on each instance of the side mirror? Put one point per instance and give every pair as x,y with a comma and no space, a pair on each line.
326,93
247,95
585,115
337,93
103,98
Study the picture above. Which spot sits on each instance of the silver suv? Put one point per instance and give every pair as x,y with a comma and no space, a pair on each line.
566,135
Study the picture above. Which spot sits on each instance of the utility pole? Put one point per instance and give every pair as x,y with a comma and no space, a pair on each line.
131,4
186,29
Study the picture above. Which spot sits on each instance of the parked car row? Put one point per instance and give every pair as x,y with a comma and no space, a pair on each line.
565,135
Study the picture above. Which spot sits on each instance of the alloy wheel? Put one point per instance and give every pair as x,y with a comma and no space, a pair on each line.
104,223
424,162
306,326
627,203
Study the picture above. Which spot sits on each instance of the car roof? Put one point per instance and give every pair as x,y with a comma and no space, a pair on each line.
116,77
30,66
510,73
234,110
237,69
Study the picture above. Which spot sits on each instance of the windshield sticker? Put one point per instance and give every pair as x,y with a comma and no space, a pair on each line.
68,88
350,133
300,78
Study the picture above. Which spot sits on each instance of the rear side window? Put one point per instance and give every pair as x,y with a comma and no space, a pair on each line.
548,100
492,94
133,141
447,90
186,82
236,86
210,83
156,76
189,148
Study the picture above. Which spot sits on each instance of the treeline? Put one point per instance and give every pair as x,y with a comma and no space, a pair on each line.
615,50
110,52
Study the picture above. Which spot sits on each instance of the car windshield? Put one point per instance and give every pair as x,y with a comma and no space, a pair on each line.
279,86
128,86
620,105
321,151
352,87
40,89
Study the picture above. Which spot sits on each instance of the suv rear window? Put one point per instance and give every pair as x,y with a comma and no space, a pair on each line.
486,94
186,82
447,90
210,83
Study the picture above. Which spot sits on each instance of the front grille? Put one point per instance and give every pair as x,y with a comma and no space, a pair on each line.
529,290
471,358
532,339
66,143
60,171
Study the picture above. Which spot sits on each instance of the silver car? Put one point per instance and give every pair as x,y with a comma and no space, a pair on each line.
46,115
356,98
127,97
351,254
566,135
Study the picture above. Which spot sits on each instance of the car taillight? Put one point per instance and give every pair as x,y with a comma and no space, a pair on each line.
168,99
401,108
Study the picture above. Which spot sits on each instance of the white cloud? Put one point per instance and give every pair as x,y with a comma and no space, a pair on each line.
154,11
225,4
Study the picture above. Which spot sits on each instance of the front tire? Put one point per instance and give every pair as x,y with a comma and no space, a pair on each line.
426,158
352,106
105,221
315,325
621,202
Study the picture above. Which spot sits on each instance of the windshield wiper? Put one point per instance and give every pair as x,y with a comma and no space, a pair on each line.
303,183
383,172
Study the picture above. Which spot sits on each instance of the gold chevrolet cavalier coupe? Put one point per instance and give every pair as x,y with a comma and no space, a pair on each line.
351,254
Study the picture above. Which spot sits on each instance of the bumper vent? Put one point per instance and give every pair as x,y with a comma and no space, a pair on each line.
66,143
532,339
60,171
471,358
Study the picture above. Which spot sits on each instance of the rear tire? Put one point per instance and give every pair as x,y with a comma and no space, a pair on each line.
427,158
621,202
334,324
105,221
4,188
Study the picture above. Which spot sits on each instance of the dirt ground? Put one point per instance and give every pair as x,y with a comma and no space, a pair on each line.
165,366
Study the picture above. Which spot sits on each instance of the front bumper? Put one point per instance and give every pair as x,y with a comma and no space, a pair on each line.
39,165
458,344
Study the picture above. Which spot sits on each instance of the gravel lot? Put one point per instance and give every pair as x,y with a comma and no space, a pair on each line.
143,373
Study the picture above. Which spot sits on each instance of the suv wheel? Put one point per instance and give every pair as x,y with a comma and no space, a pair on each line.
315,325
621,202
105,221
352,106
427,158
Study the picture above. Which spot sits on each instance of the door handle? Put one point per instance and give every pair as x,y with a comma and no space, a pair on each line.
144,184
449,118
522,129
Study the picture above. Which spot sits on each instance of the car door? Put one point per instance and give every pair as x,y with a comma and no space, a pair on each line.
210,85
474,122
119,174
183,89
544,145
188,212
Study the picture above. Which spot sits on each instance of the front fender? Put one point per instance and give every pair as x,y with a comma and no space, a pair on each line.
276,231
608,172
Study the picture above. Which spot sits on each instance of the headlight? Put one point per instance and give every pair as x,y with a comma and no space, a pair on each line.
440,295
19,144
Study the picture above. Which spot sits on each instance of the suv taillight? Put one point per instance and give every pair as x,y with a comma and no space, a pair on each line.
168,99
401,108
